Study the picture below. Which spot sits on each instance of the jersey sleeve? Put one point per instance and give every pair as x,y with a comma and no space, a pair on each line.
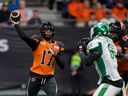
94,46
36,37
31,42
60,55
61,45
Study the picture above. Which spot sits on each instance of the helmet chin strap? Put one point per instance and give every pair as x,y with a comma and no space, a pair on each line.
45,37
48,38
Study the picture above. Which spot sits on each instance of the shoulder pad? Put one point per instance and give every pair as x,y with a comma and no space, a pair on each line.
60,44
37,36
93,44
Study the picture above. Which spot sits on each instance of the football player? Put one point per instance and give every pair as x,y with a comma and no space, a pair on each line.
101,51
46,52
121,41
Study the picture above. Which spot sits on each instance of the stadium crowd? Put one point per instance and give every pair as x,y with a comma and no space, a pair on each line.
92,11
28,16
78,12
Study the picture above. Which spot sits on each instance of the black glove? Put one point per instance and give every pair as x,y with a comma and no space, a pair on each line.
82,44
86,40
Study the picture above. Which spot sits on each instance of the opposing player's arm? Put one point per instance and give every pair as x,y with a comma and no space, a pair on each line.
92,55
125,57
122,56
59,56
31,42
90,58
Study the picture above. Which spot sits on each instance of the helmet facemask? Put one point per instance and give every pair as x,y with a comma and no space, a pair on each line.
47,31
117,30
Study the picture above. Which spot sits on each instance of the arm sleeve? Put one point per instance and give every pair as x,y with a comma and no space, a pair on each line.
31,42
59,57
61,45
90,58
94,50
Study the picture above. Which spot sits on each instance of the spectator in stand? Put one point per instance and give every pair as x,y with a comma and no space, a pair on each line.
103,2
110,4
13,5
93,2
35,20
75,9
87,10
125,2
59,4
92,20
51,4
4,15
26,14
64,12
99,11
108,17
120,11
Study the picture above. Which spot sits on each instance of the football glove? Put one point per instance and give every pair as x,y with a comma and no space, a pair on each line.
82,44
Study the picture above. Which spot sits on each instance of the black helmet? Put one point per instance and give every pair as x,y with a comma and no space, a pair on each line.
47,26
117,27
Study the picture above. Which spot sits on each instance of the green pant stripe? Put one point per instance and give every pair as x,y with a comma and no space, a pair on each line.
103,90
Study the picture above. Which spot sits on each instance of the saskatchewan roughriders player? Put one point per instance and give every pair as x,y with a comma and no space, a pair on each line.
101,51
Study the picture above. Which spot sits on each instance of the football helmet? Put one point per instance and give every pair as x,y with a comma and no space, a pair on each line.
47,30
117,27
101,29
117,30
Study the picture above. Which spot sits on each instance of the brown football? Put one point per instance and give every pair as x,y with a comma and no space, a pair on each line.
15,15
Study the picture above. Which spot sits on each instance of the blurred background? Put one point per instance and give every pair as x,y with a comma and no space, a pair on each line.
73,20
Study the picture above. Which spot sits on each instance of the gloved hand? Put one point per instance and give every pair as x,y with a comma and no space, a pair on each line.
82,44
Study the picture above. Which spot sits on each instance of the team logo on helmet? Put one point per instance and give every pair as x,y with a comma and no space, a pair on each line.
101,29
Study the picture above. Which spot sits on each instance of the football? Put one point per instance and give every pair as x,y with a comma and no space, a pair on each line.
15,16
